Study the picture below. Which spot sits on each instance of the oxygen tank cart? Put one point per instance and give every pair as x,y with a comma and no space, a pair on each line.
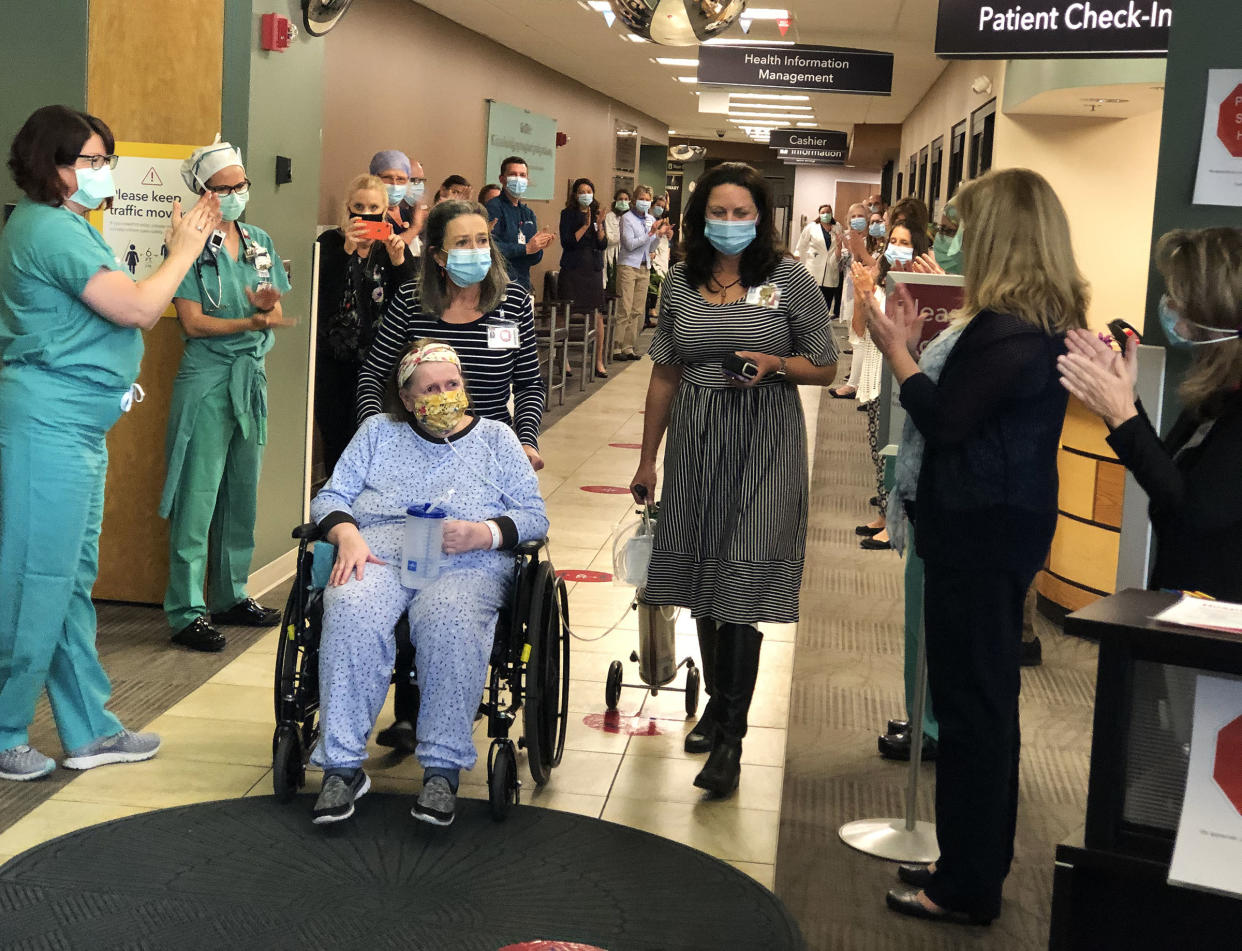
657,636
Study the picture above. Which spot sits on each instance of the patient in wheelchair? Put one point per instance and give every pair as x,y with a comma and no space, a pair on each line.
429,448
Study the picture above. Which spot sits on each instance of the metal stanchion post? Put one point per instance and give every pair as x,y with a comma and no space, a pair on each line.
909,839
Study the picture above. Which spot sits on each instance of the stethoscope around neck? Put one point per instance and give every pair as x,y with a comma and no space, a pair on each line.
211,255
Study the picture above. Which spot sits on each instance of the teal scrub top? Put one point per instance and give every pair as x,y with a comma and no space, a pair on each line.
200,286
47,256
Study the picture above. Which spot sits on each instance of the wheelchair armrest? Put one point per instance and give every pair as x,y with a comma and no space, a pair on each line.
532,547
308,531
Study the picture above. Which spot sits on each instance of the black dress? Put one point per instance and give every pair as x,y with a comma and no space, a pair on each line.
582,262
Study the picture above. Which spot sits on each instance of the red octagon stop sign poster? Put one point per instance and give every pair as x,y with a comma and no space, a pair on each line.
1229,126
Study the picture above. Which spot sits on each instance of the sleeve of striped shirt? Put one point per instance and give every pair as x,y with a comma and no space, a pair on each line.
661,349
385,349
528,394
808,317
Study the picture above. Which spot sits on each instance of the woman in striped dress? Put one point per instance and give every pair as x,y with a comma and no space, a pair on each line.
733,514
464,299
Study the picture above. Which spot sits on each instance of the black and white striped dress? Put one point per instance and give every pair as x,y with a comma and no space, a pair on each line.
490,374
733,511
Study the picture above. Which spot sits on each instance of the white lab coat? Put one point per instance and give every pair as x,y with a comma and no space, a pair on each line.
821,260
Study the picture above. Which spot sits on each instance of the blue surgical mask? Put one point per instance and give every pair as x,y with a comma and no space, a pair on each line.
395,193
858,224
232,205
516,185
414,192
641,205
622,207
585,199
896,254
877,230
730,237
1169,319
467,266
657,211
95,186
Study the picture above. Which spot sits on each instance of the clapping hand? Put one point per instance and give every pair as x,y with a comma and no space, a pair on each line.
1100,377
189,232
926,264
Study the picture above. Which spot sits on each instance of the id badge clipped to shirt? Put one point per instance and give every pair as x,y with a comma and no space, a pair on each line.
521,238
765,295
502,335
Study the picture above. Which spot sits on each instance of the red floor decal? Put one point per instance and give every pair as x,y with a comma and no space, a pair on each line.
615,722
577,574
605,489
551,946
626,445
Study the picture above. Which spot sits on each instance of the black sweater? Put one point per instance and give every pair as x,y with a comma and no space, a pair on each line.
987,492
1195,499
333,261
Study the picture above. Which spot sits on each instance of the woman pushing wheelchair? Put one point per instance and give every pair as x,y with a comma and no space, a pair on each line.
427,449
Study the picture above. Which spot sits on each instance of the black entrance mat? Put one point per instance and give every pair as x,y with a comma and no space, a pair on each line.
253,873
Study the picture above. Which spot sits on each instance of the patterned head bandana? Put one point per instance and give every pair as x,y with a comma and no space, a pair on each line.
429,353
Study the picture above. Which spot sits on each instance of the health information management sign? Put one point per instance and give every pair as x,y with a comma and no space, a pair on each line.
970,29
809,68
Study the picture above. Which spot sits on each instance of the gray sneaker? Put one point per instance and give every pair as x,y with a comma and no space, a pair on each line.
338,795
24,762
437,803
123,747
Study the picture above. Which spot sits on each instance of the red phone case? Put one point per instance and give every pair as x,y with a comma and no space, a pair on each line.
376,230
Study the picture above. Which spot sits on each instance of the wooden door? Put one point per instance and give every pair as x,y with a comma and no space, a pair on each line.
847,194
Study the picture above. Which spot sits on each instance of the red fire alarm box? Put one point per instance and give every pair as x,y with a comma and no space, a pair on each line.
274,32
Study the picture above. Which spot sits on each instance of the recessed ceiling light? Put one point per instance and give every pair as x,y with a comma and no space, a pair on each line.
674,61
599,6
755,123
687,79
769,105
633,38
759,115
764,95
808,125
672,131
765,13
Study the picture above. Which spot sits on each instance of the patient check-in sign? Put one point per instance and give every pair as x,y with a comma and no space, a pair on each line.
1052,28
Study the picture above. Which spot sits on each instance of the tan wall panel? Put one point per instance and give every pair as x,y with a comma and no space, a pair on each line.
154,74
1077,484
1069,596
1085,554
154,69
1110,491
1085,431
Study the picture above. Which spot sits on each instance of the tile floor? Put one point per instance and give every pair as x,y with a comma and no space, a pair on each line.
217,741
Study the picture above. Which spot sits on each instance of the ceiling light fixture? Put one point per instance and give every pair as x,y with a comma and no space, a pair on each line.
766,13
687,79
634,38
758,115
770,105
599,6
755,123
748,42
764,95
674,61
808,125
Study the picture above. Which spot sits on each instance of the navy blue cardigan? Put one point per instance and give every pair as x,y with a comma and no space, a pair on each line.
987,492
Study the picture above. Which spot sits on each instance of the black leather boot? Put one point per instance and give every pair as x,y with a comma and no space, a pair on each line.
737,666
700,739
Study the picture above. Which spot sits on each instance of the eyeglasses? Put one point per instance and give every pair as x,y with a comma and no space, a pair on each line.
947,232
222,190
99,161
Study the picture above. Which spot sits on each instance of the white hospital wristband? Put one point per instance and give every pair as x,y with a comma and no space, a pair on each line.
495,530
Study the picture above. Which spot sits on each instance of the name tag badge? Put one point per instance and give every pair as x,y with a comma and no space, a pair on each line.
521,236
765,295
502,335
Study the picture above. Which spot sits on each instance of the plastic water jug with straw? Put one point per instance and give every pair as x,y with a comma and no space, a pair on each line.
421,550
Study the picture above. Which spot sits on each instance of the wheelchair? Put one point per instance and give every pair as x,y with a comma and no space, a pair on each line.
528,675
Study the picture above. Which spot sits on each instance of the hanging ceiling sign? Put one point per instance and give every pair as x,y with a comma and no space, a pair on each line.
809,68
818,139
970,29
809,160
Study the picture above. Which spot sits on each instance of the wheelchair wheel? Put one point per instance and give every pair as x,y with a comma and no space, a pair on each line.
288,767
543,722
502,783
612,688
692,691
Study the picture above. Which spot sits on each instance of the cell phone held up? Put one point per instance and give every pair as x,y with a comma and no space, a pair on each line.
1123,335
739,368
373,230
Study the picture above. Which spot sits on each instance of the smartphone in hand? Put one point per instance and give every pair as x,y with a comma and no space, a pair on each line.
374,230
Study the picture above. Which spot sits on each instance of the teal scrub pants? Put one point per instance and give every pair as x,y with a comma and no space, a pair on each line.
914,612
211,523
53,459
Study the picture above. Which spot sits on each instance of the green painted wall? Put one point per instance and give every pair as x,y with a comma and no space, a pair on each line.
1204,35
1027,78
273,105
43,49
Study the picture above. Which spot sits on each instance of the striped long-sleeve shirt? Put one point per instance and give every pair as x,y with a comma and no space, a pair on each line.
491,374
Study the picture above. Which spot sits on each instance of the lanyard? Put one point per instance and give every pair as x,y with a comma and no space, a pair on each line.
255,254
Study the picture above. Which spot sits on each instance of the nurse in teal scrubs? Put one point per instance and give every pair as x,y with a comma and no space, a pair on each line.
229,306
71,322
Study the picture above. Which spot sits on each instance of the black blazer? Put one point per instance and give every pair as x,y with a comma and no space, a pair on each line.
1195,497
987,492
584,255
